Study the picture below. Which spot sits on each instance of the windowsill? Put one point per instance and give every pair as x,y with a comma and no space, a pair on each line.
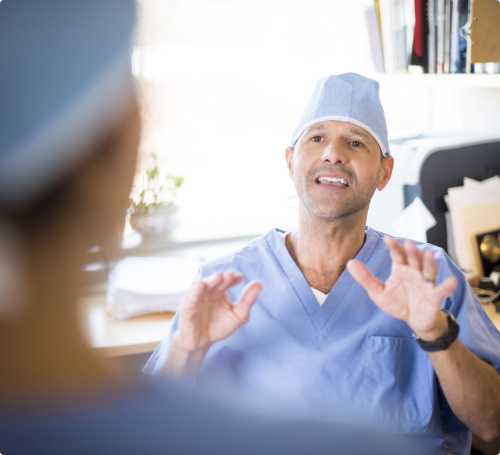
100,261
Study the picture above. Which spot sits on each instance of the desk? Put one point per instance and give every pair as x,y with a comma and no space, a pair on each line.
111,337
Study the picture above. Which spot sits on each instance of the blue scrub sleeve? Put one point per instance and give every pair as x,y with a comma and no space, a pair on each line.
477,331
159,356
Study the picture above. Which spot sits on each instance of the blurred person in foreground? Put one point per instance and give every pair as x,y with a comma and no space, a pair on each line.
346,312
69,134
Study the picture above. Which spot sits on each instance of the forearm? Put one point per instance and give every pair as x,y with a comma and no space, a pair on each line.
472,388
181,361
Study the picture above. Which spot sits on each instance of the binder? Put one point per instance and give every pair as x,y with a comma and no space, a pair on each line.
485,31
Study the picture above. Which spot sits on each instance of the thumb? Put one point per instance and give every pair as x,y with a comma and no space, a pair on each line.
373,286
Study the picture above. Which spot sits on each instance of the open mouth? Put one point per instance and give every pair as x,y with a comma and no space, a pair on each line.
332,181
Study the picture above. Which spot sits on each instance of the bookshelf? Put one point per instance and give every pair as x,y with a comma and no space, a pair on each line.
441,36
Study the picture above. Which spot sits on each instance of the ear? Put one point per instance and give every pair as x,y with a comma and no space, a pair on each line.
289,160
386,172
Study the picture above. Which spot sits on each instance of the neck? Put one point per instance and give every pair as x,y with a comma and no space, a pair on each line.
42,350
321,248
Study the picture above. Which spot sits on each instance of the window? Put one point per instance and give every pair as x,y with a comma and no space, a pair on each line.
224,83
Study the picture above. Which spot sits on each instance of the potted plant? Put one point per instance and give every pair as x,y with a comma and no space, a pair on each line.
152,208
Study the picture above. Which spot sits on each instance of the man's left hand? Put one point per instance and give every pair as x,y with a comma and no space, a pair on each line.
410,293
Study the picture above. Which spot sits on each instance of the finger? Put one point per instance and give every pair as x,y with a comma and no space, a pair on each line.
230,279
227,278
397,251
446,288
214,280
430,267
365,278
413,255
247,299
195,294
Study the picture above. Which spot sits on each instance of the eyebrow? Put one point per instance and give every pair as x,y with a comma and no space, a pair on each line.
359,133
318,126
321,126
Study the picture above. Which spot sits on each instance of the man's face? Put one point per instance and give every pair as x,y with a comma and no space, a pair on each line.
336,167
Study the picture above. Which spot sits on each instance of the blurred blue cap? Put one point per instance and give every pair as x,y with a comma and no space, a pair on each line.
347,98
65,77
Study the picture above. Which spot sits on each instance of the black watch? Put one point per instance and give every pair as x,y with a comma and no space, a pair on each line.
445,341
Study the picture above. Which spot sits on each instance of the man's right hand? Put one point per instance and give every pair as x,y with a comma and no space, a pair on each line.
207,315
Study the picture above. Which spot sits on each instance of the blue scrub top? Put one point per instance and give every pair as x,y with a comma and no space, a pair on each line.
346,351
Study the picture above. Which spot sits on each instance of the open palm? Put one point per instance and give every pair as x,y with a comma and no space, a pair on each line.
407,294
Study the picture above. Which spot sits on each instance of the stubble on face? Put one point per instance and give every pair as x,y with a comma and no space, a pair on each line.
334,206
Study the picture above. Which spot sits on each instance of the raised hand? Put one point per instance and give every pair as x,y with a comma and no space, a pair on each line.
207,315
410,293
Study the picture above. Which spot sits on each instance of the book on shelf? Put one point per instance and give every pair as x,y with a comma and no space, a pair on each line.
447,33
432,38
440,35
396,19
373,24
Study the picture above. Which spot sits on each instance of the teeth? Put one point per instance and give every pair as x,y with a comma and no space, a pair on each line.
333,179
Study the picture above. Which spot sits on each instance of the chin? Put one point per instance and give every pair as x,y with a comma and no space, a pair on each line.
335,213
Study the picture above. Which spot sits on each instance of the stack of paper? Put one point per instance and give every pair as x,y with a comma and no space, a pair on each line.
474,209
140,285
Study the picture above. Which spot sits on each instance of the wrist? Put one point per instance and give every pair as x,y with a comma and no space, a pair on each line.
187,352
182,360
444,342
438,329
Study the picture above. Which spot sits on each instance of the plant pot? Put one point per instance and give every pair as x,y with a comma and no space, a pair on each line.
161,220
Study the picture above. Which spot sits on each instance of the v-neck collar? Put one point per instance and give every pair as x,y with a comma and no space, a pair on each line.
319,315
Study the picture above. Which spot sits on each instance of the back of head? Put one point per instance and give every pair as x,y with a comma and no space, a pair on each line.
65,78
65,84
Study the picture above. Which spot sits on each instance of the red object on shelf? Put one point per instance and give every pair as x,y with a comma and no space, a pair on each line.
418,41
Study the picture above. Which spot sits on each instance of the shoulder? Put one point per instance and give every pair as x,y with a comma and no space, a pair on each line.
446,266
253,252
439,253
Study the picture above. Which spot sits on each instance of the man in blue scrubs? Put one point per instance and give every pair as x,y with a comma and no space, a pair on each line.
345,314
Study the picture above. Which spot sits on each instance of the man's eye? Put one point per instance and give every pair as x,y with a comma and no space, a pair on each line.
356,144
316,139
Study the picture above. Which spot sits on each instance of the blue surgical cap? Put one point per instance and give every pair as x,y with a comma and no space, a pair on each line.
65,79
346,98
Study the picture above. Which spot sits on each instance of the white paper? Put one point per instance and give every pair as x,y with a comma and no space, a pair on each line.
414,222
149,285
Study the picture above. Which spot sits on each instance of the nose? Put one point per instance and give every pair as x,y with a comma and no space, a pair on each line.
334,153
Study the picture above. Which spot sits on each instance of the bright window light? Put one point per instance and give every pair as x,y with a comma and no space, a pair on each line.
223,85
